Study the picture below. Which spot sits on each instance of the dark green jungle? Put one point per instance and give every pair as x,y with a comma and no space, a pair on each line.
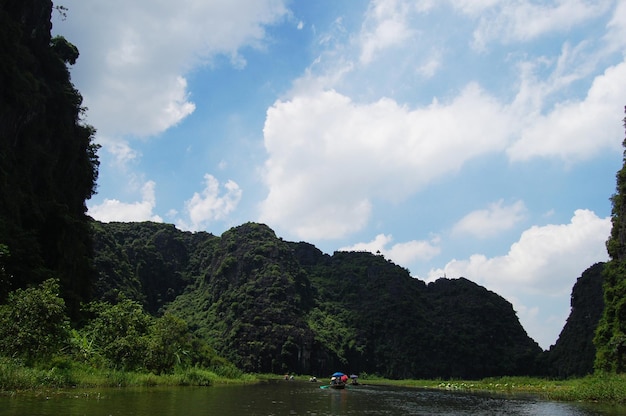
149,297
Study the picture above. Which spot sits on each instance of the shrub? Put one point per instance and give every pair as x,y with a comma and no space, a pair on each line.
33,323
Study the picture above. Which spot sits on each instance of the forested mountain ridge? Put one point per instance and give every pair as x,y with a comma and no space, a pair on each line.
270,306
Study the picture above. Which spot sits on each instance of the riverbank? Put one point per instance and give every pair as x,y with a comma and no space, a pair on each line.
16,378
603,388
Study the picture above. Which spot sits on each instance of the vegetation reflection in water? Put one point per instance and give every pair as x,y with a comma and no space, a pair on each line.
290,398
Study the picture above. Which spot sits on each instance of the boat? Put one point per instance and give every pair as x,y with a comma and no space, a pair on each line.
338,381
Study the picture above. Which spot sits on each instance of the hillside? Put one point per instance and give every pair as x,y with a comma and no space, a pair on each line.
271,306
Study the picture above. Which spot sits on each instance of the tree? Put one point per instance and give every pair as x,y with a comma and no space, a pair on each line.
610,339
169,345
119,333
33,323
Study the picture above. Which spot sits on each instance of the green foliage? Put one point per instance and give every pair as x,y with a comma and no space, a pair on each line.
332,331
169,345
610,339
147,262
269,306
121,333
250,300
67,52
33,323
122,336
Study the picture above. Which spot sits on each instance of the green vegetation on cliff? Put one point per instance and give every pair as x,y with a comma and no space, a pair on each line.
273,306
249,302
610,337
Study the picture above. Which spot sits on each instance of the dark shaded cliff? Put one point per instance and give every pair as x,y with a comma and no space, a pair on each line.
574,352
48,163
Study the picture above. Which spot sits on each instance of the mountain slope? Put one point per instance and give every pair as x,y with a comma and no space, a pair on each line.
271,306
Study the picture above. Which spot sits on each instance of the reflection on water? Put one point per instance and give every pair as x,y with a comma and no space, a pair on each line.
289,398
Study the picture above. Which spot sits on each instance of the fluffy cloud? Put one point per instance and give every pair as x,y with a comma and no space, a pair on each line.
576,130
491,221
332,154
134,54
208,205
330,157
115,210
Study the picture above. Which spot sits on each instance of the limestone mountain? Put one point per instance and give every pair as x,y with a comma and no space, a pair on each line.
269,305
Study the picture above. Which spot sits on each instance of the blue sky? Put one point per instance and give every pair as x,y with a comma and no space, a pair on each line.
475,138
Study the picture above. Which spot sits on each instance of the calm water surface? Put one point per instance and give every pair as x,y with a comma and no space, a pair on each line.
289,398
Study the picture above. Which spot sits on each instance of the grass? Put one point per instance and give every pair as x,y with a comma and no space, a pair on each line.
603,388
16,377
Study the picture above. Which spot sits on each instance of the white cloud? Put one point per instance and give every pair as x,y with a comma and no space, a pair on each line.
122,153
329,157
400,253
491,221
209,206
385,26
134,55
577,130
474,7
616,28
115,210
544,258
544,263
429,68
521,21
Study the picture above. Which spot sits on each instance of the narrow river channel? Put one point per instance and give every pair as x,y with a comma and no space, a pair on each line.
288,398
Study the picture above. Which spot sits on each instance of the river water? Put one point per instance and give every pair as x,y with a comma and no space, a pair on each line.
288,398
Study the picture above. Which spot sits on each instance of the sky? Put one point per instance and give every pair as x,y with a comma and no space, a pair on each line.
458,138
